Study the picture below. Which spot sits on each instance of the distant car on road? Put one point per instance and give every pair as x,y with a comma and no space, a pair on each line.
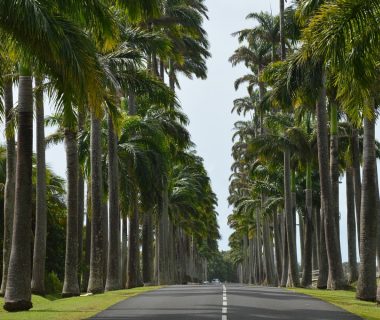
215,281
206,282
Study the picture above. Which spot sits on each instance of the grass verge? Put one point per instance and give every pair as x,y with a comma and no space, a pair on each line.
345,299
71,308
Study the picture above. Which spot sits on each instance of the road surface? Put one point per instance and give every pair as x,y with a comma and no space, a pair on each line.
219,302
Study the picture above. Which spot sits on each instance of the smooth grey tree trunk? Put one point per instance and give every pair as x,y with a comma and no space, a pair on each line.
162,238
277,246
124,251
95,283
323,261
70,284
18,289
285,255
133,234
302,231
105,239
308,246
366,287
259,247
351,227
357,180
114,263
315,241
336,277
39,252
81,120
334,178
271,280
10,181
86,272
292,251
147,248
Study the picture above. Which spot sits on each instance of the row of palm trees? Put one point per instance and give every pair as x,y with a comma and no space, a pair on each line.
312,113
103,65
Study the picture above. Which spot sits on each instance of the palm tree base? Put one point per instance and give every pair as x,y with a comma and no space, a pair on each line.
69,294
113,287
96,291
14,306
39,292
369,299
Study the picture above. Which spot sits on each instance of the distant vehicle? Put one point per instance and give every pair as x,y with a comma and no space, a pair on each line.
215,281
206,282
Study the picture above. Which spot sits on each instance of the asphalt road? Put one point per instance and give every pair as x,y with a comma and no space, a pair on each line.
231,302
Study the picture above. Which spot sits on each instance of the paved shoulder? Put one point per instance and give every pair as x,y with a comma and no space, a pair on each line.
171,303
260,303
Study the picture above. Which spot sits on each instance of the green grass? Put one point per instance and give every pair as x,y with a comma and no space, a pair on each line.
51,307
345,300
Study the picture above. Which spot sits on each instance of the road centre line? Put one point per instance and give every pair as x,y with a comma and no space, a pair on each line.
224,308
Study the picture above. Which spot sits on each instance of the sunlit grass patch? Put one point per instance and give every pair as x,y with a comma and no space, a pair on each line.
345,299
71,308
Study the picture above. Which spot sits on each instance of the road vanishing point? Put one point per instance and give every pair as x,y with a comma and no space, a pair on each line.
223,302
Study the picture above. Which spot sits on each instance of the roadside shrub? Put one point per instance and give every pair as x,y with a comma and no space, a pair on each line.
52,284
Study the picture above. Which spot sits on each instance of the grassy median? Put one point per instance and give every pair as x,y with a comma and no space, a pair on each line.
51,307
346,300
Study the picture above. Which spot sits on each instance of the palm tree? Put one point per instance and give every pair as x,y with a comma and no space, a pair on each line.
341,23
9,194
95,282
366,288
71,285
18,291
65,52
113,281
39,252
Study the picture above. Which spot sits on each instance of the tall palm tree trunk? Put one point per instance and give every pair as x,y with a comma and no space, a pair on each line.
39,252
323,261
70,285
10,181
258,247
351,226
18,289
162,238
81,120
86,272
147,248
366,287
133,243
277,246
285,255
133,248
315,241
124,251
357,179
336,278
334,172
113,267
95,283
105,239
292,252
308,246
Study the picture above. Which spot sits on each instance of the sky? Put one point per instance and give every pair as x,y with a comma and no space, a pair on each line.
208,104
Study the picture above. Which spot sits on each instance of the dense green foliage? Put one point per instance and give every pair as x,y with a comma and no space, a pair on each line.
222,267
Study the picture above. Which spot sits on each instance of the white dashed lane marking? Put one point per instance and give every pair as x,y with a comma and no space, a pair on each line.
224,308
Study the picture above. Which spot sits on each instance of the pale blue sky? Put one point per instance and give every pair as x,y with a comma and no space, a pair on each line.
208,104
